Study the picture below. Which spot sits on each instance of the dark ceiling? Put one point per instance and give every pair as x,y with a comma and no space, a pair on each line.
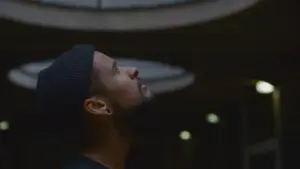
259,43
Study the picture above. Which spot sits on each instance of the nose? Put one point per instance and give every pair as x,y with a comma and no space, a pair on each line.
133,73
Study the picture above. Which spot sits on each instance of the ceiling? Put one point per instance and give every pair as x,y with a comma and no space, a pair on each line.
224,54
248,45
125,19
259,43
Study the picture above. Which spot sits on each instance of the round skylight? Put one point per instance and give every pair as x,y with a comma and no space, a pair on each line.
198,11
112,4
159,77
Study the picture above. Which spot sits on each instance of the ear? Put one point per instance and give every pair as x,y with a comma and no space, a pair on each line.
96,106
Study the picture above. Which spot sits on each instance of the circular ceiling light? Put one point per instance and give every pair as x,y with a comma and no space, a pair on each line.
121,20
112,4
159,77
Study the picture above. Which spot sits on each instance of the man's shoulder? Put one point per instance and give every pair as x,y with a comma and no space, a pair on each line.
81,162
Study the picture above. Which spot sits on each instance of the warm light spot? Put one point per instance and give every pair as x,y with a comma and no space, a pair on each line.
264,87
4,125
212,118
185,135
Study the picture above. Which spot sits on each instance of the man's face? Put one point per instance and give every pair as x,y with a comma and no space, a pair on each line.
122,84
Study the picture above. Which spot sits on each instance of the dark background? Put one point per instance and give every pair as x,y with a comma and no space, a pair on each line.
259,43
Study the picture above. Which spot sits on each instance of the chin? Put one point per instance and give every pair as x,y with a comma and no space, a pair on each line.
139,116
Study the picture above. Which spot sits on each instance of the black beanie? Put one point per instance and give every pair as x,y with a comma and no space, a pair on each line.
63,86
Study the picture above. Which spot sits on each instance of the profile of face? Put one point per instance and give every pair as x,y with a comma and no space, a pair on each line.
114,87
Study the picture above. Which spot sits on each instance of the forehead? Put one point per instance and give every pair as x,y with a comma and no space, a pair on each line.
102,62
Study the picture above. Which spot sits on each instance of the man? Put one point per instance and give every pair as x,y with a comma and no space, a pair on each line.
91,92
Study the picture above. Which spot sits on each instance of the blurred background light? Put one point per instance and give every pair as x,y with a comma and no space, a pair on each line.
185,135
212,118
4,125
264,87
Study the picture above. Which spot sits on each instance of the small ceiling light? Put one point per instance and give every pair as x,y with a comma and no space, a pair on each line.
185,135
263,87
212,118
4,125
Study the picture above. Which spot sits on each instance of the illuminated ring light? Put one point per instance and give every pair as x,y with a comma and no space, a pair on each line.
159,77
113,4
121,20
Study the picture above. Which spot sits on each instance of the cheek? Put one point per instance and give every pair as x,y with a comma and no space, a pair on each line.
127,93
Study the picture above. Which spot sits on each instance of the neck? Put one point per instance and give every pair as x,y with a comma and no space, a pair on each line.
109,148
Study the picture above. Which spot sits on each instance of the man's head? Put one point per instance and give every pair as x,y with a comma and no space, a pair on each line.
85,83
114,88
